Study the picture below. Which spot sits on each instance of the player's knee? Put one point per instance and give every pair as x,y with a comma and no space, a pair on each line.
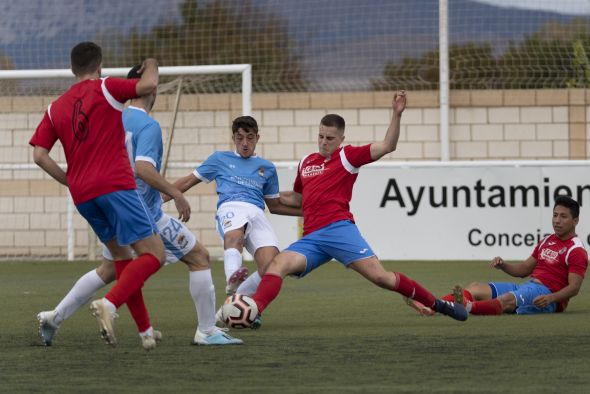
508,302
385,280
479,291
198,259
106,271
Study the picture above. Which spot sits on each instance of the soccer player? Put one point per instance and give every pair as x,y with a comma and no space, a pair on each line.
144,144
245,182
323,188
556,269
86,119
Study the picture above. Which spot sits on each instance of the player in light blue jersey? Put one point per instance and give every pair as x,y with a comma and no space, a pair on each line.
144,145
245,183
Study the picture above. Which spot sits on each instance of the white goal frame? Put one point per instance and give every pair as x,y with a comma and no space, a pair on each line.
244,69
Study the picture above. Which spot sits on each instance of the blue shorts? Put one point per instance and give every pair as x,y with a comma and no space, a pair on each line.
524,293
340,240
122,215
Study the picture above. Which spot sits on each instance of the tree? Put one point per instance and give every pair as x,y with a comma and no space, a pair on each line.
553,57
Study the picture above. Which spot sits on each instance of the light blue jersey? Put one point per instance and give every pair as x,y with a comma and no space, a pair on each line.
249,180
143,137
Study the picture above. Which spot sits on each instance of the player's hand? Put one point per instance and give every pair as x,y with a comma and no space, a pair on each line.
543,301
183,207
399,102
497,262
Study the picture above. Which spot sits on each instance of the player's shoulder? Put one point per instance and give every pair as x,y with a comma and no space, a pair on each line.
576,242
263,161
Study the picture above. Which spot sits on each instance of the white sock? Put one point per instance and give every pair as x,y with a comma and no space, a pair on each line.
148,332
110,306
79,295
249,286
232,260
203,293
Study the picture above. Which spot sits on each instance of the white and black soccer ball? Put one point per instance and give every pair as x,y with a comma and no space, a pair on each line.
239,311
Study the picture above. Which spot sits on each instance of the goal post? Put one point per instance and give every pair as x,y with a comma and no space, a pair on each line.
15,171
244,69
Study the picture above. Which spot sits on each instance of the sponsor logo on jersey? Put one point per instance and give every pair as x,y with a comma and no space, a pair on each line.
549,254
312,170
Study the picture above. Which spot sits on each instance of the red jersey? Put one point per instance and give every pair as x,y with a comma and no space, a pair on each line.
326,185
556,259
87,121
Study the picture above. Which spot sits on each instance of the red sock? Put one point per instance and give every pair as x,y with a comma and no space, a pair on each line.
267,290
411,289
467,297
448,297
135,302
132,278
488,307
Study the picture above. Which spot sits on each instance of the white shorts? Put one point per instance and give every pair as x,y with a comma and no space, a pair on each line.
237,214
178,239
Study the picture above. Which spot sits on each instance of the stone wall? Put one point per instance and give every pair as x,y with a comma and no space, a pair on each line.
485,125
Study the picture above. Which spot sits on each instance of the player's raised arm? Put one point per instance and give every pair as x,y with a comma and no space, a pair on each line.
389,143
43,160
149,77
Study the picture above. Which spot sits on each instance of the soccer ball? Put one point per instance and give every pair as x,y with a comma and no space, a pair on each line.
239,311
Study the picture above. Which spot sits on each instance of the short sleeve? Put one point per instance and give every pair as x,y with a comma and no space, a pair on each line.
209,169
45,135
358,155
577,261
271,187
148,146
121,89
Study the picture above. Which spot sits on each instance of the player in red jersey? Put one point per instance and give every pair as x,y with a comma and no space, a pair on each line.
323,188
556,267
87,121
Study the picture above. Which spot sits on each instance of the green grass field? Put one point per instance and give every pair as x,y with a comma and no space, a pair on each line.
332,332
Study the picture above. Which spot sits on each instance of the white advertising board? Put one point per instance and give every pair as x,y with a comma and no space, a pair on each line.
458,210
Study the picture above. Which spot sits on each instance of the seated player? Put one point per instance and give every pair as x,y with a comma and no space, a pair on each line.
556,270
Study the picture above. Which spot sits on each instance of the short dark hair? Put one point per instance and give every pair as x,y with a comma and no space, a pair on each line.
569,203
133,73
246,123
86,58
333,120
